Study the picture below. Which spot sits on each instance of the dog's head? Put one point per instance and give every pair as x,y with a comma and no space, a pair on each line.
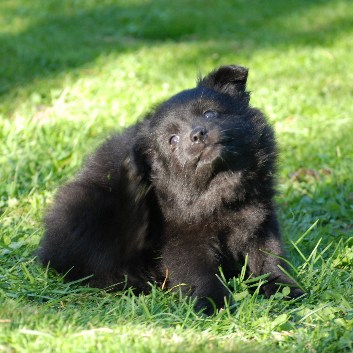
201,132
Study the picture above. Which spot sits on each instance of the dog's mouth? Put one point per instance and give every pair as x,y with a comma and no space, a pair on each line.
217,157
209,151
210,154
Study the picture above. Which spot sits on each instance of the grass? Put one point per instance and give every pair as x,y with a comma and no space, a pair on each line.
72,72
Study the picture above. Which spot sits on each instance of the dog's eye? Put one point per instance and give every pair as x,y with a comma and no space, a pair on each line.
210,114
174,140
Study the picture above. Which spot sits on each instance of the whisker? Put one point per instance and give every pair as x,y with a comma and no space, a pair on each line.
230,129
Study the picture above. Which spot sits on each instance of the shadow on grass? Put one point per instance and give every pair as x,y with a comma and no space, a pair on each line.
64,36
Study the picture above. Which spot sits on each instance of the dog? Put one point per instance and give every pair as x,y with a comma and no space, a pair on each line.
170,200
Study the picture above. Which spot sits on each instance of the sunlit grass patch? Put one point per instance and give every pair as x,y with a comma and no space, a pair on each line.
73,72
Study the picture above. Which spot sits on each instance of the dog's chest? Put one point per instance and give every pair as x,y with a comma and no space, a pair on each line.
221,224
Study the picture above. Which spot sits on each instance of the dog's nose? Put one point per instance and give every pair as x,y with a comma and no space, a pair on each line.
199,134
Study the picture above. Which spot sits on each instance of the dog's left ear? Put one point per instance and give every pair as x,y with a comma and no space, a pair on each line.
227,79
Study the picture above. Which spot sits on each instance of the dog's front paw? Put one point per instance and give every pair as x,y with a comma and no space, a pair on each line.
272,287
209,304
205,306
295,292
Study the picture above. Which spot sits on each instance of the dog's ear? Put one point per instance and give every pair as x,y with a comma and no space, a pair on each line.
227,79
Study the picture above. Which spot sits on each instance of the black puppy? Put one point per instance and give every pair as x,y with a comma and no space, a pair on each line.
188,189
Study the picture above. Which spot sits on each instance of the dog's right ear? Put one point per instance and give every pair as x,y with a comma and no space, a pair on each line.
229,79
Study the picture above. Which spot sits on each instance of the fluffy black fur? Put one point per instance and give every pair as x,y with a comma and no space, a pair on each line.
188,189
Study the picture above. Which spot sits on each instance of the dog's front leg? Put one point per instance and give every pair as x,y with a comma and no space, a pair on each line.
265,256
191,267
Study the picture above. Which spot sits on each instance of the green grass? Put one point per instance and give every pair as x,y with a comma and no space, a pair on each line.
74,71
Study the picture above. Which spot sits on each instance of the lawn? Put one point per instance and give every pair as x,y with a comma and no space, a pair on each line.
74,71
